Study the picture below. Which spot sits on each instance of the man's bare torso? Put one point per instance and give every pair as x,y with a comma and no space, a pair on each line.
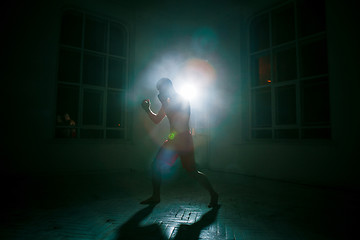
177,110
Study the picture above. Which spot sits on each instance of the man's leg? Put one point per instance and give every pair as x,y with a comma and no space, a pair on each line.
156,182
165,158
188,162
204,181
185,146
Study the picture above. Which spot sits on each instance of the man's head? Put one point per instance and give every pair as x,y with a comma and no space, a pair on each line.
164,85
165,88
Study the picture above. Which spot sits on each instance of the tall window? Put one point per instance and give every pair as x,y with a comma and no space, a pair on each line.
289,72
92,77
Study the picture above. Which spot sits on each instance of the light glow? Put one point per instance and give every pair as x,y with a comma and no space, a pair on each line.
188,91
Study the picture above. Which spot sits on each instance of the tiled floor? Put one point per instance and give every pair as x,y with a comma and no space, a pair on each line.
106,206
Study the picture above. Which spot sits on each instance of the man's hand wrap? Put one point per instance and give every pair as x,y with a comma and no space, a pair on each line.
146,105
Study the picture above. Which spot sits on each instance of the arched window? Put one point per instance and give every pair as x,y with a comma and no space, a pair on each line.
289,72
92,77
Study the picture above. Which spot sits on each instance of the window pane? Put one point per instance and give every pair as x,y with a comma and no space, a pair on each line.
115,134
92,133
261,70
67,103
66,132
115,109
287,133
117,40
259,33
69,66
286,105
285,64
283,24
94,69
262,108
67,111
311,17
95,34
262,134
71,28
117,76
313,58
316,133
93,107
315,102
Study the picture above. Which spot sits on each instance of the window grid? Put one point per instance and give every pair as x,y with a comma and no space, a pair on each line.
105,88
298,126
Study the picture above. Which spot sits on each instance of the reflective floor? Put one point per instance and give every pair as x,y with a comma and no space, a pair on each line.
106,206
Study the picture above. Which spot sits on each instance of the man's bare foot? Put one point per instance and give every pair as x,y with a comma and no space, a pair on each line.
151,201
214,200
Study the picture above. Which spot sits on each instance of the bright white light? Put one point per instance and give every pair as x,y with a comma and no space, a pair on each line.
188,91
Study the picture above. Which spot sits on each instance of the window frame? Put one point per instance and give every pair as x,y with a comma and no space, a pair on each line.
105,89
275,84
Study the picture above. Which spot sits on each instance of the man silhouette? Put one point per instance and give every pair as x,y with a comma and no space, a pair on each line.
179,142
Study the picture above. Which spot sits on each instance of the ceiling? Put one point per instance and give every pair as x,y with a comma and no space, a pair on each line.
198,9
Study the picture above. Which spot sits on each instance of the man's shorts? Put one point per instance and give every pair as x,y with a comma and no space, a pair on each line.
177,145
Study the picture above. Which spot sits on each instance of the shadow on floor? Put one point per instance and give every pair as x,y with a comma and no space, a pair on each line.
132,230
192,231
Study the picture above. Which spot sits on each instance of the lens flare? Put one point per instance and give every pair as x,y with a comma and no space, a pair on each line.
199,71
172,136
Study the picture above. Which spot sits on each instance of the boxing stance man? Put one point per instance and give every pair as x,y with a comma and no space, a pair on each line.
179,143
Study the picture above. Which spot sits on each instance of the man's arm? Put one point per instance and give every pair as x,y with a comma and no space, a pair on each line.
156,118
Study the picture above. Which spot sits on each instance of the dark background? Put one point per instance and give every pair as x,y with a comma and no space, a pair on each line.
30,48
